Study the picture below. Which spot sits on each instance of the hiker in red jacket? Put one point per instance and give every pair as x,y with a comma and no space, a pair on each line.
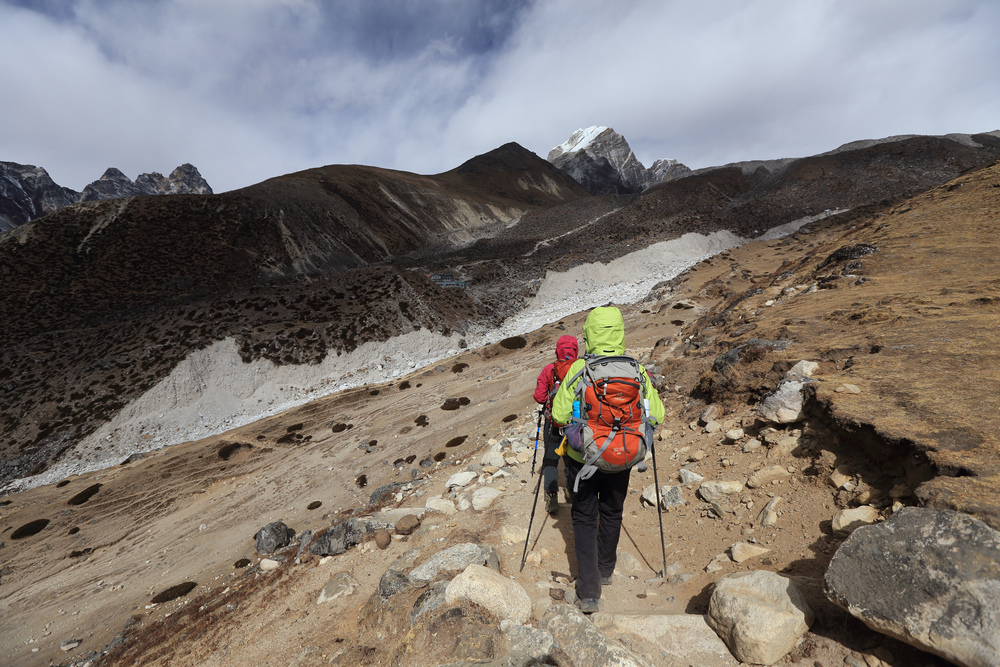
546,387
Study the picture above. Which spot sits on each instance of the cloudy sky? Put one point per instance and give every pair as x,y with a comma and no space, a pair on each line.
249,89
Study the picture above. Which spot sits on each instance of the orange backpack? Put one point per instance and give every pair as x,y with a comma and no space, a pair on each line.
613,429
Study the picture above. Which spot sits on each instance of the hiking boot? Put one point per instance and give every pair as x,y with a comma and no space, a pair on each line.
568,495
587,605
606,581
551,502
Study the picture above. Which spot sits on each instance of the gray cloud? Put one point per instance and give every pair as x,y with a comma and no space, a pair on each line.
249,89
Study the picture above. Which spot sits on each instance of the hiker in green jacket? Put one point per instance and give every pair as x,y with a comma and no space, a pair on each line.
600,497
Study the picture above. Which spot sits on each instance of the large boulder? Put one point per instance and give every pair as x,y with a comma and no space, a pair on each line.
491,590
339,538
786,403
759,615
682,638
583,642
272,537
930,578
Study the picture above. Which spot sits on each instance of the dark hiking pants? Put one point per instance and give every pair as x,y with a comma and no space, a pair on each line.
597,524
550,461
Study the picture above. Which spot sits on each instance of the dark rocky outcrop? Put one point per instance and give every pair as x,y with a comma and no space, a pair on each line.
930,578
272,537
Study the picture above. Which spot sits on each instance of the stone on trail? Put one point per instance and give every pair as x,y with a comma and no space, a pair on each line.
670,496
268,564
848,389
750,445
528,646
407,524
504,598
272,537
767,475
484,497
583,642
847,521
684,639
383,539
930,578
734,434
759,615
710,414
340,584
513,534
713,427
689,477
460,479
742,551
440,505
718,562
768,516
717,490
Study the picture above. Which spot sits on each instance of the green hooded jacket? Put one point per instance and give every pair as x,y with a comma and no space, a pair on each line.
603,335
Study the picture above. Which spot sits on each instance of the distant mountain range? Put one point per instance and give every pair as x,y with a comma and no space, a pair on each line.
28,192
600,160
102,299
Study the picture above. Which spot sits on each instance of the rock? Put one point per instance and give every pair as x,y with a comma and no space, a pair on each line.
440,505
716,490
340,584
718,562
582,641
689,477
513,534
848,389
710,414
803,368
900,491
69,644
505,598
268,564
838,479
392,582
750,445
464,504
304,540
684,639
713,427
452,559
670,496
930,578
697,456
768,516
847,521
429,600
484,497
460,479
383,539
784,405
272,537
742,551
734,434
407,524
759,615
782,447
528,646
629,564
767,475
339,538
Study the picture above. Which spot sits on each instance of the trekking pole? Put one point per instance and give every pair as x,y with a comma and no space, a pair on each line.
659,511
534,504
534,455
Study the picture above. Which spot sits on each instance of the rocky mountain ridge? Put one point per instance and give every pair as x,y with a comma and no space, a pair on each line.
601,160
28,192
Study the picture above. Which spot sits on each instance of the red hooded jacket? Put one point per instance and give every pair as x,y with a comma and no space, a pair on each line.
566,351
